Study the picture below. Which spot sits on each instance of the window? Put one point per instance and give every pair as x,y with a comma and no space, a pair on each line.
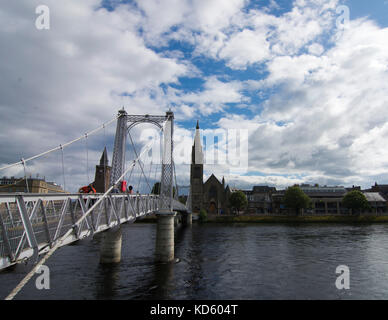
213,192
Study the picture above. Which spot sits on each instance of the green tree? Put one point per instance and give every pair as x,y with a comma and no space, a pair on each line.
182,199
202,215
356,201
296,199
238,200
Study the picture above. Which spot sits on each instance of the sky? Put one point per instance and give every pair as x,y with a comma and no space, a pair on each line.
306,79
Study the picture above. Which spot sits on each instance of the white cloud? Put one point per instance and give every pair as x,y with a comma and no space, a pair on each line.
328,118
323,109
246,47
59,83
212,98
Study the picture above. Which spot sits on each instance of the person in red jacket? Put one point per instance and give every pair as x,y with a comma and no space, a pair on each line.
123,186
87,189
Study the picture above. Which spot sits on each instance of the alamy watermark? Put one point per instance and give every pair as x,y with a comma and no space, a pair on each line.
343,280
43,281
342,20
220,147
42,22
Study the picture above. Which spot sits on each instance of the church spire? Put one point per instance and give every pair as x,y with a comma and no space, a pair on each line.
197,154
104,158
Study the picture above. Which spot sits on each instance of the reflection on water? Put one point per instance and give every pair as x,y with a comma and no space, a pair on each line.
222,261
106,287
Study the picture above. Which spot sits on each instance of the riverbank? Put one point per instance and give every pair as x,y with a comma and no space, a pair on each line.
297,219
284,219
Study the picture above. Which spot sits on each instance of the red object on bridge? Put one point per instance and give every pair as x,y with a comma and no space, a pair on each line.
123,186
87,189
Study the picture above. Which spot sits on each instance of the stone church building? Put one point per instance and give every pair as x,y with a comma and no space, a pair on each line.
101,180
212,196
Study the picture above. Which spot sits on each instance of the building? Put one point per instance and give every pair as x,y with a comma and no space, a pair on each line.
325,200
376,201
31,185
382,189
259,199
328,200
102,176
213,195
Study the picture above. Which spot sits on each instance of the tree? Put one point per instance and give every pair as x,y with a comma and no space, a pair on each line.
182,199
356,201
296,199
202,215
238,200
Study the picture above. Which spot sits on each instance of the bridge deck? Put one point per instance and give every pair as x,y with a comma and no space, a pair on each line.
30,224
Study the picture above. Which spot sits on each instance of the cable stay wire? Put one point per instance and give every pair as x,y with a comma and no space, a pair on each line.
64,145
104,159
25,173
141,167
57,244
176,184
63,169
87,159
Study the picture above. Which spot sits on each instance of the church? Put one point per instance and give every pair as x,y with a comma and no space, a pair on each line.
212,196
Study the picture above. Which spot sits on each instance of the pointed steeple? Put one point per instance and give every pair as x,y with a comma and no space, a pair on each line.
197,154
104,158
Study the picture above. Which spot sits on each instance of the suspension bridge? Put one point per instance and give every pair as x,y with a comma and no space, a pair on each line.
34,226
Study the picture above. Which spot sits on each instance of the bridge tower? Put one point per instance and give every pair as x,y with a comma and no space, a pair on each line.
110,251
111,242
164,251
118,160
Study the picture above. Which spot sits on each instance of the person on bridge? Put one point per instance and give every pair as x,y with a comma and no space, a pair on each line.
87,189
130,190
123,186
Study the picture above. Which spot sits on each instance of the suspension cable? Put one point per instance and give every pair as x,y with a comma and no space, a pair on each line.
24,281
149,173
57,148
141,167
87,159
63,168
176,184
25,174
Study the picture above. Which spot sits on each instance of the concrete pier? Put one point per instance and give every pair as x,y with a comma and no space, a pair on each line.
164,251
111,246
187,219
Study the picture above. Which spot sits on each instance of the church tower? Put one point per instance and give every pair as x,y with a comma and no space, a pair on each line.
196,173
101,180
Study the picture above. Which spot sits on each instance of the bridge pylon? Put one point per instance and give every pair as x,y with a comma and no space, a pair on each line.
118,159
164,251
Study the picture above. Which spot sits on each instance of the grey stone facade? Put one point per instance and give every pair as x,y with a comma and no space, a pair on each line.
212,195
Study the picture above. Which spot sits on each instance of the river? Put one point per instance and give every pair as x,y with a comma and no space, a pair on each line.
222,261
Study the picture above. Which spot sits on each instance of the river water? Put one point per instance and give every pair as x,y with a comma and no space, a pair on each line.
222,261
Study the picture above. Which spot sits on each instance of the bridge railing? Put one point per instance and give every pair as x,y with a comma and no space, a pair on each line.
30,224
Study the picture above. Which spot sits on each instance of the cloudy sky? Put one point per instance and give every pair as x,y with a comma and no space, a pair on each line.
308,79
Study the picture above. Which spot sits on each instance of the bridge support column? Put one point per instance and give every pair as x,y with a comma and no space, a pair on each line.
111,246
164,251
187,219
